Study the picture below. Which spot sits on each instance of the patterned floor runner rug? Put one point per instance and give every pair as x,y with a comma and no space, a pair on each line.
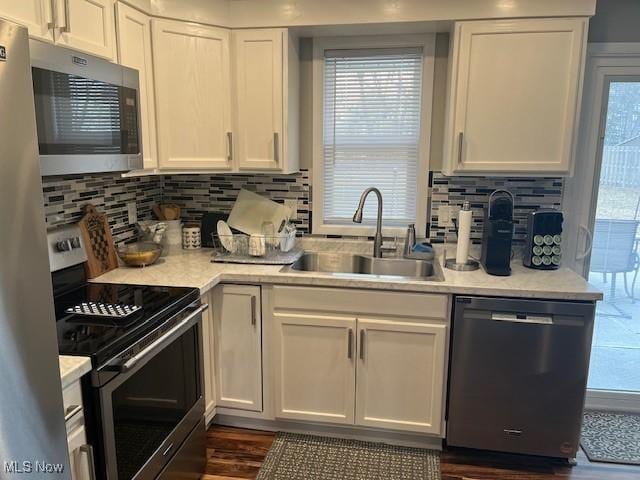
306,457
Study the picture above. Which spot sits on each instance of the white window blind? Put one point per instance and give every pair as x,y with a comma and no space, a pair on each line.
371,132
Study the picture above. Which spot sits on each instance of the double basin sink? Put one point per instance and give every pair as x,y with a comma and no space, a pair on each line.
352,264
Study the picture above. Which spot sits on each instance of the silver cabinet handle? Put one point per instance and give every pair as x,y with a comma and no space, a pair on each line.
253,310
513,318
88,449
362,334
230,146
350,344
71,412
164,340
67,18
52,24
460,144
276,147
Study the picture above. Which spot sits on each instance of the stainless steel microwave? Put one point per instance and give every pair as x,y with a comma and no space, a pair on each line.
87,112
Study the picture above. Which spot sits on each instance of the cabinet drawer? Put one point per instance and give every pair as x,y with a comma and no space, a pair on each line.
72,402
370,302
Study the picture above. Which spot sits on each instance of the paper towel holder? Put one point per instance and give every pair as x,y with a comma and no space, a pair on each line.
451,263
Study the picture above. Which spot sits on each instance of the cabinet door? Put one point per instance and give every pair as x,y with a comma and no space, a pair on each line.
86,25
400,381
193,100
258,60
515,95
80,455
208,360
33,14
315,367
238,347
134,51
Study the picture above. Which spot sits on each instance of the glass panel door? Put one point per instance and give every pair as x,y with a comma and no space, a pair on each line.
615,261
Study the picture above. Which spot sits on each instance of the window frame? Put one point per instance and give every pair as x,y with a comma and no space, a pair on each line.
320,44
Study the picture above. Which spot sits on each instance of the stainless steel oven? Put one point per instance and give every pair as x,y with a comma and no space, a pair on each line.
87,112
149,405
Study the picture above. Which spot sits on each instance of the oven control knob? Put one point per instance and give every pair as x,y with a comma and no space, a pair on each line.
63,246
75,242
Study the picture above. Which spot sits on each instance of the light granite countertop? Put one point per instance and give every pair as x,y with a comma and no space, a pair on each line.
195,269
72,368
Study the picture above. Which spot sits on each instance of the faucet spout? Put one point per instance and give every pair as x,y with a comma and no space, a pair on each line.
357,218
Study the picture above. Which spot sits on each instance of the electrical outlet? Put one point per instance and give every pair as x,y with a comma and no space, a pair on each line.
292,204
132,211
446,214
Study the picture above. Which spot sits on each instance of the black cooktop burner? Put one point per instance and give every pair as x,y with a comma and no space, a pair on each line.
102,337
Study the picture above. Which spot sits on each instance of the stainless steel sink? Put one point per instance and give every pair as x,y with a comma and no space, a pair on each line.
345,263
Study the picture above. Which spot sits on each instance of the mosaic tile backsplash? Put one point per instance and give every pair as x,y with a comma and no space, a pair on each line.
530,194
65,196
197,193
201,193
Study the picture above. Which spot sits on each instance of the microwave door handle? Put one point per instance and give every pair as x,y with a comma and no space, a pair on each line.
163,341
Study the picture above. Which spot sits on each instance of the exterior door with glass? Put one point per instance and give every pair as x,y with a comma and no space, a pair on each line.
602,211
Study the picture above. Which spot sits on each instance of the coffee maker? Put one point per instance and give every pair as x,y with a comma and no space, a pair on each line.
498,234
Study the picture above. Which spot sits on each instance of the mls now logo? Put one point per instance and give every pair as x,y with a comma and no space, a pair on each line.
27,466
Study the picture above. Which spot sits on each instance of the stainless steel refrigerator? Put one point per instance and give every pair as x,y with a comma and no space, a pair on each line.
32,428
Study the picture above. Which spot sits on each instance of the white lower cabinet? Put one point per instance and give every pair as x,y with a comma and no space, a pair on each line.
208,360
237,331
366,358
315,367
80,452
400,376
80,457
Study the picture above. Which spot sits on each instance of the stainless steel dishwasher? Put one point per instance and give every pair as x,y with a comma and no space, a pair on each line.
519,374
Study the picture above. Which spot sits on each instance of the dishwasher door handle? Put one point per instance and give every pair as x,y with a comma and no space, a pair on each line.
518,318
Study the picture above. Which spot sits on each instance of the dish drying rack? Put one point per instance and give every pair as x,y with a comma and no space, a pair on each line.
256,249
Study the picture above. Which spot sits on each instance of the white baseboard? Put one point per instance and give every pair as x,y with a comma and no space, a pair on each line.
352,433
613,401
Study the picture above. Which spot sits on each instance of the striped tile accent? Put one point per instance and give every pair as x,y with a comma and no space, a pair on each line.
202,193
64,197
530,194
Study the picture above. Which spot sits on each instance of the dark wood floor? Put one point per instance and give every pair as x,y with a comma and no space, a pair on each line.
234,453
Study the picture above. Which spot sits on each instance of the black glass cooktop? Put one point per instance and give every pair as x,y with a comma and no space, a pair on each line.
101,337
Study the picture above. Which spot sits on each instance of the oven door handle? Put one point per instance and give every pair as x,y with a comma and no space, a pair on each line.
164,340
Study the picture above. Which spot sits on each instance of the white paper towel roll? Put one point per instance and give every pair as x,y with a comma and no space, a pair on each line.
464,234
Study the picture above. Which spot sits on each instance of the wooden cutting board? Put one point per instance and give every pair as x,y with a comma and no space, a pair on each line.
98,242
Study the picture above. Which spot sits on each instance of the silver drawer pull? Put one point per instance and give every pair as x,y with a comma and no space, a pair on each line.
534,319
71,412
88,449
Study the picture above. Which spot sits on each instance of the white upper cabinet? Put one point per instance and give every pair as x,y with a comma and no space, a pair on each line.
134,51
193,100
36,15
86,25
514,96
266,99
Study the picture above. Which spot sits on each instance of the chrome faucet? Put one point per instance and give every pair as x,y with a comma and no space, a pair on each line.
357,218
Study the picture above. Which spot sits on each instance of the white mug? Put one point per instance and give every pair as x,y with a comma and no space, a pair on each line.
191,238
257,245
